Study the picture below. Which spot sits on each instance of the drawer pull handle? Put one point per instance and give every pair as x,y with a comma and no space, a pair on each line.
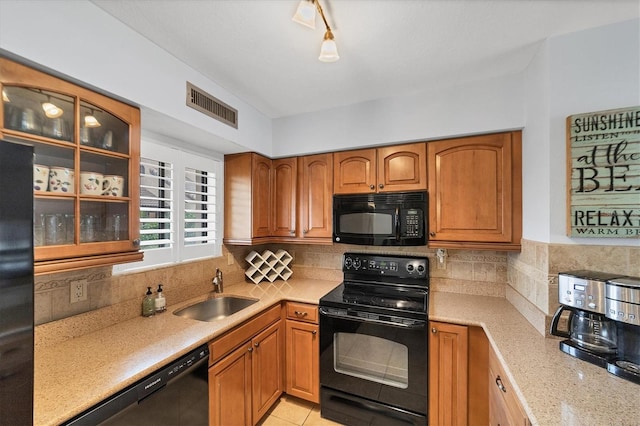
500,385
434,330
314,332
300,314
250,349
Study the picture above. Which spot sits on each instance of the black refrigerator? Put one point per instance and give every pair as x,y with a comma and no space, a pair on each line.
16,284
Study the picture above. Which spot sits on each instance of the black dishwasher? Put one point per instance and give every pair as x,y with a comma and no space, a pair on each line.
176,394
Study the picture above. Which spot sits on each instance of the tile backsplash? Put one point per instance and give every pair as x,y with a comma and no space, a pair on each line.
528,279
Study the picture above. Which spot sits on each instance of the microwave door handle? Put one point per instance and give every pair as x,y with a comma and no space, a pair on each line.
397,224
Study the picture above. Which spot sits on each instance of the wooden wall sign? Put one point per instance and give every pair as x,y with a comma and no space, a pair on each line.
603,174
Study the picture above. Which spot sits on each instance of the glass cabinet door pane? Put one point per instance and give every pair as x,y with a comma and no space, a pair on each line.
53,170
103,175
101,129
53,222
103,221
39,112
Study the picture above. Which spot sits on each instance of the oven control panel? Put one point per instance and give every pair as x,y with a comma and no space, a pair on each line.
389,266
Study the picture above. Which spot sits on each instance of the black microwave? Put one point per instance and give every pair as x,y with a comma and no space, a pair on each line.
389,219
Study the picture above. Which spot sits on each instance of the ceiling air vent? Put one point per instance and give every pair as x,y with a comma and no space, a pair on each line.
209,105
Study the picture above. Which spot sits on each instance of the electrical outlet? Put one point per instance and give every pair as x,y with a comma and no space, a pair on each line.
441,259
78,291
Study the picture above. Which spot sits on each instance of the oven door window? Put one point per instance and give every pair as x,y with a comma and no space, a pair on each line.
364,223
372,358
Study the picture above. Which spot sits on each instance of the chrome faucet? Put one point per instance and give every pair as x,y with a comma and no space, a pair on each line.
217,282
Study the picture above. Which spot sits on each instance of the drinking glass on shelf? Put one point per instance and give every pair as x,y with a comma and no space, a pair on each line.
54,229
38,230
89,228
116,227
69,220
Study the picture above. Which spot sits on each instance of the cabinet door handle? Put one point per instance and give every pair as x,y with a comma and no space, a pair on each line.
292,231
432,234
136,242
314,332
381,186
300,314
250,349
434,330
256,344
304,231
372,187
500,385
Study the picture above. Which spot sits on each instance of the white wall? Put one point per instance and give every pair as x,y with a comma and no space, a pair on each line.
472,108
80,40
536,173
592,70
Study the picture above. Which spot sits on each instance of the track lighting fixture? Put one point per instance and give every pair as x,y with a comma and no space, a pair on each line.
306,15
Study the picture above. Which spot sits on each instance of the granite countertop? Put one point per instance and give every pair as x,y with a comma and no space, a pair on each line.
554,388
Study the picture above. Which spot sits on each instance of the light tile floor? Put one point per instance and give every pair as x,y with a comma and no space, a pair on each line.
290,411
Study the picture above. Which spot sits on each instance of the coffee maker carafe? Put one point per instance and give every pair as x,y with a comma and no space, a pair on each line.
591,336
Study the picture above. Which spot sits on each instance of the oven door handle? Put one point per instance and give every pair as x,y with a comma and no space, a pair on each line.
417,325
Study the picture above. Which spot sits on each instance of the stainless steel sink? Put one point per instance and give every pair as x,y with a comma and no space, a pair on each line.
215,309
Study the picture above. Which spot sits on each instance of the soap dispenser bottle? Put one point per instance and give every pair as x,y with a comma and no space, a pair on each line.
160,302
148,305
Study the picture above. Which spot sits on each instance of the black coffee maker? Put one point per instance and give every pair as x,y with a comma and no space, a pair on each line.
591,336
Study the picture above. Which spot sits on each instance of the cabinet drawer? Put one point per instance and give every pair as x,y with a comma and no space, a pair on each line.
302,312
229,341
505,406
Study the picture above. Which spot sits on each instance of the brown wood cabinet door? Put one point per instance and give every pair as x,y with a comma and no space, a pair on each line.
302,360
354,172
284,172
316,196
448,366
402,168
504,405
471,189
266,368
229,385
261,196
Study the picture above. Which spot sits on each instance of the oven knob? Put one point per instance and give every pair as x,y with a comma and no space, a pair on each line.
356,263
348,262
421,268
410,267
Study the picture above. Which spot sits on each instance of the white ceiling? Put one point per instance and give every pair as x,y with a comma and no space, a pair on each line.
387,47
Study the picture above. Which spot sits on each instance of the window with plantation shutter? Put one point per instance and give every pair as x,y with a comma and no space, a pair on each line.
179,208
156,204
199,207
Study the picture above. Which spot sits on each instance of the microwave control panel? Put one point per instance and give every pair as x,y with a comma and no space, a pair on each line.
412,223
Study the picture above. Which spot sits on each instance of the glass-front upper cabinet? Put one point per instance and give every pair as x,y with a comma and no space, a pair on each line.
85,172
